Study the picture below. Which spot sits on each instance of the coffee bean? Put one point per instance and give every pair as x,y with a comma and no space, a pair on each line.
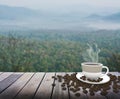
83,78
118,86
104,93
75,85
63,85
106,88
53,76
53,85
71,89
72,84
92,93
68,85
114,86
118,78
77,89
60,80
98,80
64,88
113,77
77,94
85,91
115,90
90,80
109,74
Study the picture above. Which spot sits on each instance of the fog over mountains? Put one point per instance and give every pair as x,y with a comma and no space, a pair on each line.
25,17
13,13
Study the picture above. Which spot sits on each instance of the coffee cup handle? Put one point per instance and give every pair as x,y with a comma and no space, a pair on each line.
106,71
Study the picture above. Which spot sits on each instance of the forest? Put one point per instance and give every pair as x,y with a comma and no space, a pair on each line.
56,50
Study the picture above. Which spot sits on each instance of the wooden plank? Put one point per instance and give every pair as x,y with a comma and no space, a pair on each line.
18,85
15,88
8,81
96,96
111,94
73,96
58,93
5,75
29,90
1,73
118,74
45,89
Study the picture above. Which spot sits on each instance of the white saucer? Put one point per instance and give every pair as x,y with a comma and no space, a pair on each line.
106,78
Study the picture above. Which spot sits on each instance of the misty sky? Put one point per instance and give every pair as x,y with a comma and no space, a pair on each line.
91,6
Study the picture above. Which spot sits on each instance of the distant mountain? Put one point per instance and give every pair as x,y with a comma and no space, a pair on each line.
113,17
15,17
13,13
94,17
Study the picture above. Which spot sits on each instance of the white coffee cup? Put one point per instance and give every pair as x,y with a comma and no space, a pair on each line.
93,70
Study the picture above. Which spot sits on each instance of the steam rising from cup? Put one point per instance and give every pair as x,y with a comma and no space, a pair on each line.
92,53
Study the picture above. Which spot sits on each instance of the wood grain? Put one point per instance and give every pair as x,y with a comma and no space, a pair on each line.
45,89
96,96
28,91
73,96
111,94
14,89
39,86
5,75
8,81
1,73
58,93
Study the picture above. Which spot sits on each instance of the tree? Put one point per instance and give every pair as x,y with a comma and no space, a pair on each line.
114,61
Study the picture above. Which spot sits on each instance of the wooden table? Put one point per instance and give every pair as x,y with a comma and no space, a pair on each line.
18,85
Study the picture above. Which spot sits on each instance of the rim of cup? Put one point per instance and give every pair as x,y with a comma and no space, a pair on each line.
95,64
